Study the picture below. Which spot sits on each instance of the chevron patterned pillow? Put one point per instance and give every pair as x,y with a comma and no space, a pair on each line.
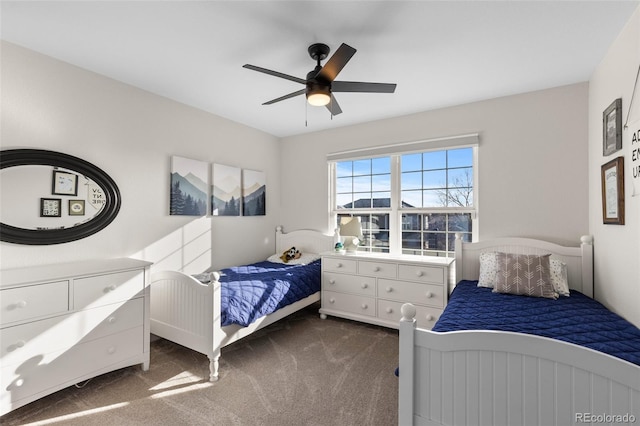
524,274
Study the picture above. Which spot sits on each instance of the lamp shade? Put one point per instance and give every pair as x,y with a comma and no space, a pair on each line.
351,227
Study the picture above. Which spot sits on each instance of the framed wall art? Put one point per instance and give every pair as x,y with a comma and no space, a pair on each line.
64,183
254,188
226,196
612,128
613,192
50,207
76,207
189,187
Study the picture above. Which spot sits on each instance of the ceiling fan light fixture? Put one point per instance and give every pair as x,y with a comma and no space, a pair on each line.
319,97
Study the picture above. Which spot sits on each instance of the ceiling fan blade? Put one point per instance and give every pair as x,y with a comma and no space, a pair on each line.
275,73
356,86
282,98
333,106
336,62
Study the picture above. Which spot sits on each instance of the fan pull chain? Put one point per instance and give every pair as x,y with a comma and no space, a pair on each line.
306,106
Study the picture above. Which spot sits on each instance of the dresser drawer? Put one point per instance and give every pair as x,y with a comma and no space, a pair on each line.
377,269
332,264
349,303
426,316
349,284
416,293
34,301
36,338
53,369
105,289
426,274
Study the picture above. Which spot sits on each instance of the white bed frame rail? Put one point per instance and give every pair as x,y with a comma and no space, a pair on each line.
503,378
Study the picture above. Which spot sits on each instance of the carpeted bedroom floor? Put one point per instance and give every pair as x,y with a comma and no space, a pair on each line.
299,371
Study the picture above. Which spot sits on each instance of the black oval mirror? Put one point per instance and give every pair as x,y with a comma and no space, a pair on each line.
109,197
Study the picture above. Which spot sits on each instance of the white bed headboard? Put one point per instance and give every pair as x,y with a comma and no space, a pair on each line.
579,260
305,240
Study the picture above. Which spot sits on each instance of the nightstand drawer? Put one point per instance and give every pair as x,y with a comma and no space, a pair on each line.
349,303
377,269
427,274
332,264
349,284
402,291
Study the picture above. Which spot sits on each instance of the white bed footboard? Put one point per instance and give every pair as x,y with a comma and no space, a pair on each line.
501,378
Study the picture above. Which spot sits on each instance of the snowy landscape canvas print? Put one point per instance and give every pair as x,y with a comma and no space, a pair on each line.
188,195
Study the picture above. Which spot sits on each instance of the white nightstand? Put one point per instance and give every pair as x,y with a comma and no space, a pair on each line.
371,287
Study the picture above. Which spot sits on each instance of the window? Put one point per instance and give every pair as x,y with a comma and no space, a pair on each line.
408,203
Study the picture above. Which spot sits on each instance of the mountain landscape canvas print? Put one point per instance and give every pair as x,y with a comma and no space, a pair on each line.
254,188
226,196
188,195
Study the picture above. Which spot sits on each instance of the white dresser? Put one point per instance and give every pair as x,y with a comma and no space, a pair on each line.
65,323
372,287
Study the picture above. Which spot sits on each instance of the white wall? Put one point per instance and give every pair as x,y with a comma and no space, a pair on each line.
532,162
617,248
132,134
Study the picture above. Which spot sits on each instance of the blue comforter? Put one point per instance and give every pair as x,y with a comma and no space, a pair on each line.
253,291
576,319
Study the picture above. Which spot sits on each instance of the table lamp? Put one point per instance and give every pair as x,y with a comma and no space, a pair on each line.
351,232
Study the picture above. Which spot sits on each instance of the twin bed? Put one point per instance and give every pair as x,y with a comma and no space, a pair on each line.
503,359
206,316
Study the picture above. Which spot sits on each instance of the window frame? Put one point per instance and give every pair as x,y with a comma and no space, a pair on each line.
396,210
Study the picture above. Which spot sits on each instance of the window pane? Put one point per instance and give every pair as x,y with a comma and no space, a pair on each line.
411,198
434,198
344,200
452,240
381,199
344,168
462,157
460,197
434,160
362,184
459,222
362,167
411,180
411,222
344,185
412,240
460,177
435,179
381,182
435,241
362,200
411,162
381,165
435,222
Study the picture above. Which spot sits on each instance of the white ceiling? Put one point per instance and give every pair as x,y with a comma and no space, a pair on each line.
440,53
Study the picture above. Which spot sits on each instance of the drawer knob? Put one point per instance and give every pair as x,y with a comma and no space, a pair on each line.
112,287
339,265
389,310
111,350
429,295
389,289
16,345
21,304
111,320
376,269
364,285
429,317
332,281
364,306
332,300
419,273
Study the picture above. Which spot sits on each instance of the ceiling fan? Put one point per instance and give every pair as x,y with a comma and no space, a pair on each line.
320,82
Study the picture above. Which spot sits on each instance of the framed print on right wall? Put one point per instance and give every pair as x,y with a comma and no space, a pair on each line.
613,192
612,128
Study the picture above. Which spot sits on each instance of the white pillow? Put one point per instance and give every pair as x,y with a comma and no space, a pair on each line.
488,269
304,259
559,277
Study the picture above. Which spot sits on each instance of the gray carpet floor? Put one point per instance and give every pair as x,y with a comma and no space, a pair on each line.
301,370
